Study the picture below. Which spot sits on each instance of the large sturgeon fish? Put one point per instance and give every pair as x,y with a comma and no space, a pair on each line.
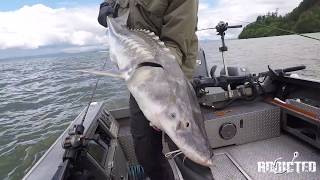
160,88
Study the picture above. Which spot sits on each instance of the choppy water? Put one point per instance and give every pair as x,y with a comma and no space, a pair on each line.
40,96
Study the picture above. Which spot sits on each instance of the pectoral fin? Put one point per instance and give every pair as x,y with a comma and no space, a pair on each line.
102,73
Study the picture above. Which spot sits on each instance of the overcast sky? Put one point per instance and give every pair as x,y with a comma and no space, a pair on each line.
60,25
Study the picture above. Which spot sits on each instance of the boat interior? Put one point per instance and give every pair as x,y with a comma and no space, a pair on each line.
277,123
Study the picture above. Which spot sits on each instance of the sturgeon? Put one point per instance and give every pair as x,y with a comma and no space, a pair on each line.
163,93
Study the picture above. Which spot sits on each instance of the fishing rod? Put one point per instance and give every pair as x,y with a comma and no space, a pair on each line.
221,29
74,142
80,127
204,29
271,27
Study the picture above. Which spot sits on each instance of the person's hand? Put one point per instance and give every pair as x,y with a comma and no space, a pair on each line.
107,8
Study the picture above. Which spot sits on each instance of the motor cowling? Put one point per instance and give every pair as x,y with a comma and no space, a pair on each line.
236,71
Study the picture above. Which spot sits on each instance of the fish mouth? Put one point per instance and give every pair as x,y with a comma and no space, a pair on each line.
209,162
201,158
196,151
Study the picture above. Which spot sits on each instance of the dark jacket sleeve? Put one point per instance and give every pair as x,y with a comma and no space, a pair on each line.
106,8
102,17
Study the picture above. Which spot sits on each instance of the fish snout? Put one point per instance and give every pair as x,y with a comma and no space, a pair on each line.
209,161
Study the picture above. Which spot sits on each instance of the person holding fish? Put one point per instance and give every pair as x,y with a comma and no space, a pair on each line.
175,23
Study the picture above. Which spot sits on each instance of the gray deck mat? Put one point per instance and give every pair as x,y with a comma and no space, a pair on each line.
248,155
224,168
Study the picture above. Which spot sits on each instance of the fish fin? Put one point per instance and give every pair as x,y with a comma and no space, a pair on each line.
102,73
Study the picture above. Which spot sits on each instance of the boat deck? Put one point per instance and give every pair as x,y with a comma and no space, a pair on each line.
241,161
231,162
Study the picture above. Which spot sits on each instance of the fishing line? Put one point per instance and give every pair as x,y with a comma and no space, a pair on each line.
173,154
184,158
79,98
204,29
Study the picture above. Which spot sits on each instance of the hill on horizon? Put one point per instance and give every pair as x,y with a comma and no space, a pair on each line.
303,19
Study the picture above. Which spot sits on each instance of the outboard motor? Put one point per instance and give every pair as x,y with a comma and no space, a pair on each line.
235,71
232,72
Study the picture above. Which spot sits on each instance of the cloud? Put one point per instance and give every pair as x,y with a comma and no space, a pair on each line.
236,12
37,26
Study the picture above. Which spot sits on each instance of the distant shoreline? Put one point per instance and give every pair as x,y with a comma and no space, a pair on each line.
313,33
303,19
317,35
54,54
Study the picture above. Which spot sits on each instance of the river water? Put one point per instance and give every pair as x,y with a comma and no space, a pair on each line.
40,96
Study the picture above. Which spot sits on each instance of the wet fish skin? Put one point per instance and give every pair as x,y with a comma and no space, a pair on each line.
163,93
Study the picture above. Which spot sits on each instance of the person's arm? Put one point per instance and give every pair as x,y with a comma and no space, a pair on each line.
178,32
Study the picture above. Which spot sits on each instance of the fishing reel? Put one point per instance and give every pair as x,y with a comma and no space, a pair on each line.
75,137
75,141
221,28
74,144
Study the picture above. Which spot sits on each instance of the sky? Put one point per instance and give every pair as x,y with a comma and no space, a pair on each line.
33,27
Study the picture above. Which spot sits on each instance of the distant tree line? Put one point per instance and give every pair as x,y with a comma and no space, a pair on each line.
303,19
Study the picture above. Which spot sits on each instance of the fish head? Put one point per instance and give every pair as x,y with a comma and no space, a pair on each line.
166,104
183,129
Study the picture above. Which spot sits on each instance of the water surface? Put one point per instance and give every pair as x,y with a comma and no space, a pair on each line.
39,97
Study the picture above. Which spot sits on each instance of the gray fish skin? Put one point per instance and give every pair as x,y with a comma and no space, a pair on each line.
163,94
